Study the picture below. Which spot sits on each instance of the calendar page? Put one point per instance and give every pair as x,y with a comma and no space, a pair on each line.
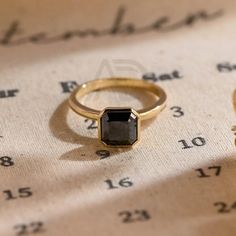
55,176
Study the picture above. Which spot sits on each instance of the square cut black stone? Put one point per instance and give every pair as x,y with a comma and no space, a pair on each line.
119,126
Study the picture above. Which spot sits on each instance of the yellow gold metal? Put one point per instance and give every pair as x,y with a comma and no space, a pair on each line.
94,85
98,84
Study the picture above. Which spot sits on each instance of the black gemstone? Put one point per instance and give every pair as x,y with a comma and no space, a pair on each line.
119,126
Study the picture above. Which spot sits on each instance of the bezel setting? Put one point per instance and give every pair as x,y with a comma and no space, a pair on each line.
119,127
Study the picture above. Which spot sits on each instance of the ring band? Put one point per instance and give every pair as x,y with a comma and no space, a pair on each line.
118,126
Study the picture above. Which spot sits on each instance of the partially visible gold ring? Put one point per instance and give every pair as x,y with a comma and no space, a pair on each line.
118,126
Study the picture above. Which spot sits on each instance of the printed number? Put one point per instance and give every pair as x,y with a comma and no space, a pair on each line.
136,215
203,174
31,228
178,111
125,183
103,153
6,161
198,142
21,193
224,207
92,125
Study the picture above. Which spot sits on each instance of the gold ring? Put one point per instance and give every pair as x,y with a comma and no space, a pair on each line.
118,126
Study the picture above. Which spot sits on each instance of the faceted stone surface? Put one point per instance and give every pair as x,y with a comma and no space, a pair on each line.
119,127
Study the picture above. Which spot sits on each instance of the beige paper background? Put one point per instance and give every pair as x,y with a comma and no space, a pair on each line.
54,153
